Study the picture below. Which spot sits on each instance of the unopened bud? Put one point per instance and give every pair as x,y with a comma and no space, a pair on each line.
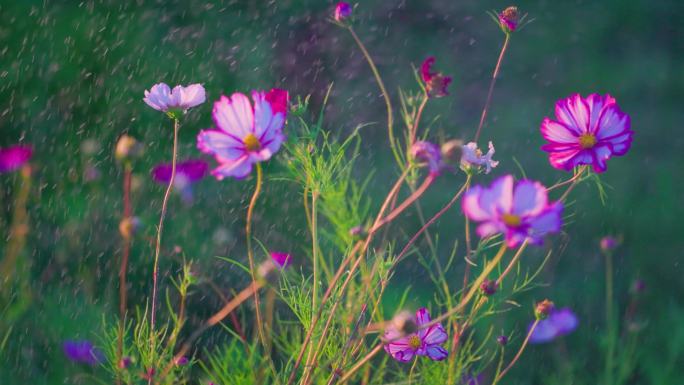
543,309
405,322
124,362
357,231
130,226
489,287
608,243
127,148
502,340
509,18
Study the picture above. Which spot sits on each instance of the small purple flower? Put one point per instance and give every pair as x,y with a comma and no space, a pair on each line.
559,323
14,157
508,18
436,84
342,11
181,361
424,342
429,154
519,211
162,98
608,243
502,340
283,260
244,135
82,351
473,158
588,130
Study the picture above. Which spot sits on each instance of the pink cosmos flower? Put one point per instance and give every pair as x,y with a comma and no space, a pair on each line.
436,84
14,157
342,11
587,131
162,98
283,260
429,154
508,18
520,212
559,323
244,134
473,157
424,342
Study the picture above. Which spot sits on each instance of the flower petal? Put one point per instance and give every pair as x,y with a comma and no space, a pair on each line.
574,113
234,115
546,222
557,132
529,198
436,353
499,197
238,168
220,143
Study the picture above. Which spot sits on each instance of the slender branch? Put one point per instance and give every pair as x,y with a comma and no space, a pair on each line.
127,214
419,114
491,86
157,250
359,365
574,183
250,252
517,355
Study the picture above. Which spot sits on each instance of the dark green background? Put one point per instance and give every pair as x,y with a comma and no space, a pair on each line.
73,71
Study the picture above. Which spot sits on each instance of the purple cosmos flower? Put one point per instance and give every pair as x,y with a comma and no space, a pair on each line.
473,158
508,18
244,134
14,157
520,212
187,173
587,131
429,154
342,11
436,84
283,260
82,351
424,342
162,98
559,323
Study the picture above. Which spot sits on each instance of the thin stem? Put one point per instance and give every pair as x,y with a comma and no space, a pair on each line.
127,214
314,290
491,87
512,263
383,90
517,355
574,183
412,198
419,114
360,364
469,248
610,323
157,250
250,253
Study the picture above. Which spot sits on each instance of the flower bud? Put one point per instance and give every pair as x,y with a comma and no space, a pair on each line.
130,226
342,11
508,18
405,322
124,362
608,243
357,231
180,361
502,340
283,260
127,148
489,287
542,309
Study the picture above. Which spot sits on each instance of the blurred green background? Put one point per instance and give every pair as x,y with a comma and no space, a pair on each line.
72,76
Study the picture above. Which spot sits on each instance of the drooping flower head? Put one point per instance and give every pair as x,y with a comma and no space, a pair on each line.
176,101
509,18
14,157
128,148
82,351
342,11
587,130
436,84
244,135
518,211
473,158
283,260
187,173
424,342
559,323
429,154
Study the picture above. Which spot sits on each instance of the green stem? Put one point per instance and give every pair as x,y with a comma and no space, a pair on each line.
250,253
610,322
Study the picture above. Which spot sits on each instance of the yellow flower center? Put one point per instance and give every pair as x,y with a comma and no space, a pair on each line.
587,141
414,342
252,142
511,220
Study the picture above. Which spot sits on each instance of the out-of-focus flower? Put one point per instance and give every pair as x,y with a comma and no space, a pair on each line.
130,226
608,243
588,130
243,135
404,322
174,102
128,148
502,340
638,286
471,379
279,100
489,287
342,11
424,342
125,362
429,154
473,158
181,361
543,309
452,151
519,211
187,173
283,260
508,18
90,147
436,84
559,323
357,231
14,157
82,351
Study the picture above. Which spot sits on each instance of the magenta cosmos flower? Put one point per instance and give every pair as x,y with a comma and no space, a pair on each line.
244,134
508,18
424,342
174,101
342,11
283,260
436,84
14,157
587,131
558,323
187,173
519,211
